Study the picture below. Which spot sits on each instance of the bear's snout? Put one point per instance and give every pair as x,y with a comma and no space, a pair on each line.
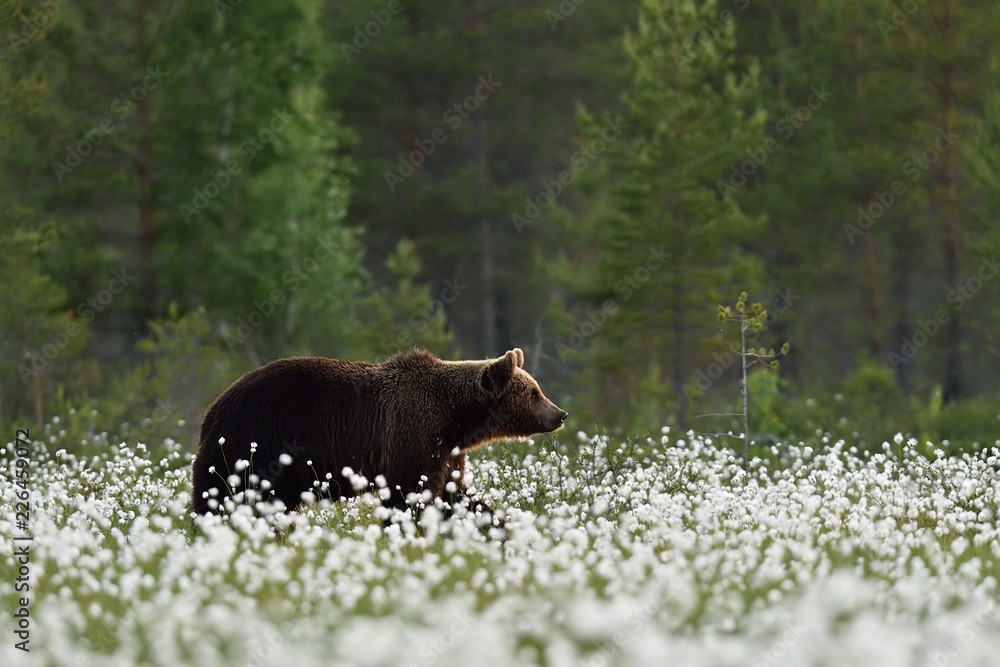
555,418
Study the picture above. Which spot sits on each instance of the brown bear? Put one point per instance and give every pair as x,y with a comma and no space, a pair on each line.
293,426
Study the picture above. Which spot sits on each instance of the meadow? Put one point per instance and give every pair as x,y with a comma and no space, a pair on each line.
660,551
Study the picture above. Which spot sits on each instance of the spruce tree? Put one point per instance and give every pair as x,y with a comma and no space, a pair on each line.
670,237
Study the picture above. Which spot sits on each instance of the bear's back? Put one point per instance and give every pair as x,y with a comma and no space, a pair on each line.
283,392
321,412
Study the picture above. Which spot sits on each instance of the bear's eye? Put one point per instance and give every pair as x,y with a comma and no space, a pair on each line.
536,392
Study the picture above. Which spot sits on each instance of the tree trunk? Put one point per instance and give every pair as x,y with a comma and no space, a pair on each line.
745,393
873,306
479,157
489,295
902,291
36,387
144,172
872,300
952,384
680,353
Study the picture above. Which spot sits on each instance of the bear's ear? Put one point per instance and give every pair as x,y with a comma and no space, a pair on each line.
518,357
498,373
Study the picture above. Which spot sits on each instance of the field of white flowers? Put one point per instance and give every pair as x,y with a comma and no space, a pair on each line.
665,553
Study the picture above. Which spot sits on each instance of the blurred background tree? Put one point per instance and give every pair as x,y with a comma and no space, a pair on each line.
198,188
672,239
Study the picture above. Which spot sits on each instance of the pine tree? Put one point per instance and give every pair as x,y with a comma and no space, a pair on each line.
201,155
843,111
670,239
853,206
40,339
949,42
178,145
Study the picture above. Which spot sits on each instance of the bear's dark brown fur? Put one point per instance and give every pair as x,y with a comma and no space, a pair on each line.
411,419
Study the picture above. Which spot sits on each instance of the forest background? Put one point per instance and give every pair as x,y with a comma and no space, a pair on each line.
189,190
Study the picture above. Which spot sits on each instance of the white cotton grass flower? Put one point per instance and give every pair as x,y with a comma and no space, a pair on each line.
359,482
825,553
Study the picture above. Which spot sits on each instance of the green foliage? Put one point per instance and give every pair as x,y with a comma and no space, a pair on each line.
258,209
447,161
233,156
184,368
765,389
650,405
874,405
21,90
968,426
984,154
246,212
40,340
392,320
927,416
668,241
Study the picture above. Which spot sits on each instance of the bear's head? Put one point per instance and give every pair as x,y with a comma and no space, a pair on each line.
518,407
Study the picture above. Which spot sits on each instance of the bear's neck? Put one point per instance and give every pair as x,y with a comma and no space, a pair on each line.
465,421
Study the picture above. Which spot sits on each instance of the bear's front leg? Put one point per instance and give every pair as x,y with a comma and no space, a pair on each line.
456,493
411,483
